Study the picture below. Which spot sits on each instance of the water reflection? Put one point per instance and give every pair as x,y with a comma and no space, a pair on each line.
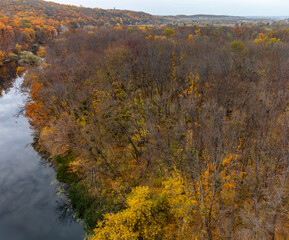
7,76
28,201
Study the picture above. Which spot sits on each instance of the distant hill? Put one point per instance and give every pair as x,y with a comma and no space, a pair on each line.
207,16
201,18
68,14
28,23
80,16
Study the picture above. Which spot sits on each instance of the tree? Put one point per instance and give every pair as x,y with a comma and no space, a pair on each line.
169,32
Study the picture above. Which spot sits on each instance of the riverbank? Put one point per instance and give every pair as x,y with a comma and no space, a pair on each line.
29,205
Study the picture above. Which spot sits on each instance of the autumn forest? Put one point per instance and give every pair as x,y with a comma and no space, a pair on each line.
160,131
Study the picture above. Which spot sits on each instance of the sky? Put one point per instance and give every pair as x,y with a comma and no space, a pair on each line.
190,7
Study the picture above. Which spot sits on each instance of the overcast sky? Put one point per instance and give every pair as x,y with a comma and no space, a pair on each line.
173,7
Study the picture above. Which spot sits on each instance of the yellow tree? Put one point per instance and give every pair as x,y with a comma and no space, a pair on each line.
166,212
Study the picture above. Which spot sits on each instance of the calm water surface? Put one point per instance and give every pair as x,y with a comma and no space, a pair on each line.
28,200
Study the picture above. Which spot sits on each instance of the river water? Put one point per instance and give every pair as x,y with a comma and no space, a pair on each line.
28,189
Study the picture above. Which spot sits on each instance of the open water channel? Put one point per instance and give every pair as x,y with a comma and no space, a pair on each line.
28,188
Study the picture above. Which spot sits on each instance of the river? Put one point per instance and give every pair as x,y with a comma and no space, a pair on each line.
28,189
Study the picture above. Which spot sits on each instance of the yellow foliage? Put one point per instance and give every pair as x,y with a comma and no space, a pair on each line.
190,37
123,225
18,48
165,213
75,166
41,51
198,32
11,55
98,97
169,32
160,37
45,65
142,28
150,37
2,55
20,70
221,170
262,38
193,86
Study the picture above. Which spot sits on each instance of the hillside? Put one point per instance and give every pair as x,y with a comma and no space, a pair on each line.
68,14
27,22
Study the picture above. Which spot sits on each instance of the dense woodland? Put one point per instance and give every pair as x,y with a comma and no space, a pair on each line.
168,133
24,23
159,132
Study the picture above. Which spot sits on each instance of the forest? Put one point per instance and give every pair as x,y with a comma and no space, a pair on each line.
168,133
24,23
159,132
